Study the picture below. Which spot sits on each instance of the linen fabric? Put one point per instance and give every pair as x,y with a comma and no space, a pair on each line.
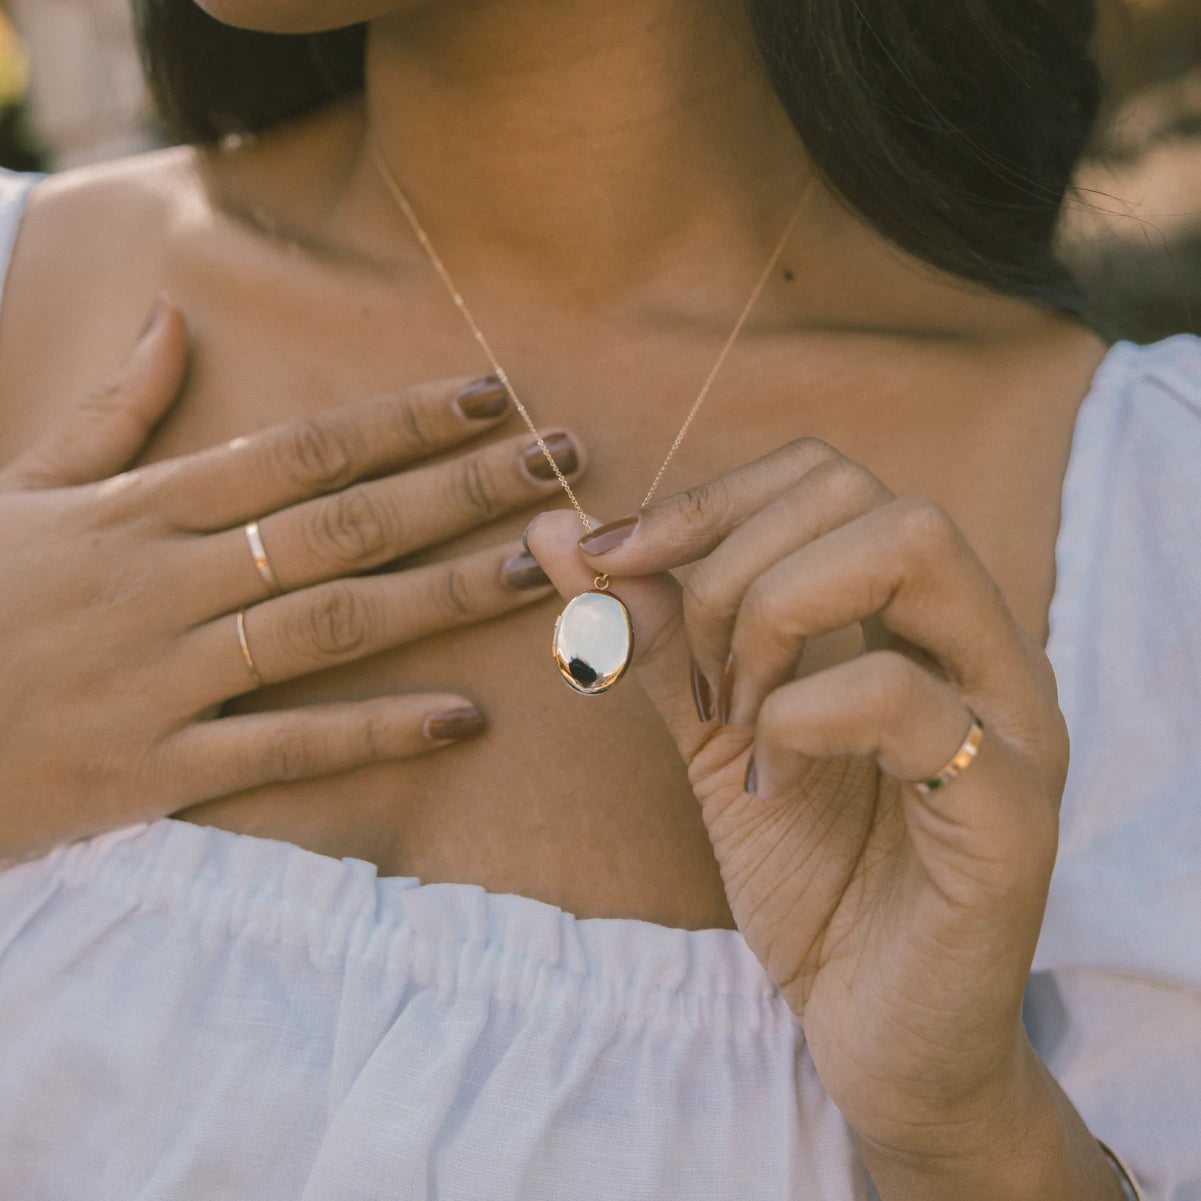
192,1015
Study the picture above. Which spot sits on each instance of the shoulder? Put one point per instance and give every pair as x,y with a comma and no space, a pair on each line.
77,233
1168,370
107,212
1128,553
1138,437
81,258
15,188
1125,643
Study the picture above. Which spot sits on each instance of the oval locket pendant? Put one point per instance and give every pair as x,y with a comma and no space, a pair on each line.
593,642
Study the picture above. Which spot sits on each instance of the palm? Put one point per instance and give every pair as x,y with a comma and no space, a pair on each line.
812,864
850,903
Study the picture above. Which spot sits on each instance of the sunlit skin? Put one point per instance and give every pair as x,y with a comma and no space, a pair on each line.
604,182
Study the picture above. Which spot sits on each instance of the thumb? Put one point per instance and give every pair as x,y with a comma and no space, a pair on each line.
662,663
102,434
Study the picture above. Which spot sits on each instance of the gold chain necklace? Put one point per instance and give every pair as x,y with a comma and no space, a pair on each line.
593,641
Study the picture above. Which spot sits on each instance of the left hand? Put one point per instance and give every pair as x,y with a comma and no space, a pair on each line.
899,928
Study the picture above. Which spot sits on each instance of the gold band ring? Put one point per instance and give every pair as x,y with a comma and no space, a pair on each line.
959,762
259,553
254,671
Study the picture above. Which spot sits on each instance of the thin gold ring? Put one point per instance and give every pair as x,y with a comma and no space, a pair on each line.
254,671
959,762
259,553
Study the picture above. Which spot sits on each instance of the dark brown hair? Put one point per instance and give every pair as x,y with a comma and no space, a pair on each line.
951,126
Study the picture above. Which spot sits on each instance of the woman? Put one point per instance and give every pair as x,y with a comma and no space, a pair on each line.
534,965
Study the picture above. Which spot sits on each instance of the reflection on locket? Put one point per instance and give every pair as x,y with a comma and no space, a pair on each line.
593,641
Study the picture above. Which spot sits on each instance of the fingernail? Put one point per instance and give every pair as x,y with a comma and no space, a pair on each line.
156,315
483,398
563,451
701,694
525,541
726,693
752,777
458,724
522,571
606,537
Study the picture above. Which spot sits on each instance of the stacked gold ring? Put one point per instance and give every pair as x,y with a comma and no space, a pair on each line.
259,553
254,671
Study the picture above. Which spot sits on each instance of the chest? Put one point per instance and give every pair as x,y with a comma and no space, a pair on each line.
582,802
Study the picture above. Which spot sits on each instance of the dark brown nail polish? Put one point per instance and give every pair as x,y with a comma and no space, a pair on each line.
701,694
522,571
752,778
465,722
483,398
525,540
606,537
726,692
562,450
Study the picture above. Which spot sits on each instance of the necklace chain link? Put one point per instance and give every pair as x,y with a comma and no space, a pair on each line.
402,201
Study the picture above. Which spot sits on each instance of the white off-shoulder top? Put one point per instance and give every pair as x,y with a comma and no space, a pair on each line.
192,1015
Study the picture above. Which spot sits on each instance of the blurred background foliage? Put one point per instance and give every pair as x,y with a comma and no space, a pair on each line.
71,93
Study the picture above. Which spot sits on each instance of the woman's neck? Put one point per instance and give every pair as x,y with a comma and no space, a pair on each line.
591,139
587,142
607,155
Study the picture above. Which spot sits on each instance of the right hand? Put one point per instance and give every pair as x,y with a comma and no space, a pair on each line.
119,594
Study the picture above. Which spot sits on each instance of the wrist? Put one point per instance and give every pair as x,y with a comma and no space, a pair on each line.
1026,1143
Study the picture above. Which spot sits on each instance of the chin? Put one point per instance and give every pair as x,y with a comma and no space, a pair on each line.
299,16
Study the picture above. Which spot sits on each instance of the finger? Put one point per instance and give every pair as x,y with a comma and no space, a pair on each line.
882,705
249,477
386,519
104,433
904,562
827,496
682,528
321,627
233,754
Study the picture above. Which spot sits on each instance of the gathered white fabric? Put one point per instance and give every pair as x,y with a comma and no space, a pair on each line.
192,1015
189,1013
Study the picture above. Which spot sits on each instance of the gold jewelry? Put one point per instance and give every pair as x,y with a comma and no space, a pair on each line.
259,553
959,762
593,641
254,671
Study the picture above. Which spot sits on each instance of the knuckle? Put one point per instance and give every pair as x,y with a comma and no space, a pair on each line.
338,624
894,683
769,618
104,399
352,527
455,594
377,738
125,499
812,450
704,505
925,526
476,490
318,456
705,604
285,754
417,427
764,608
848,478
